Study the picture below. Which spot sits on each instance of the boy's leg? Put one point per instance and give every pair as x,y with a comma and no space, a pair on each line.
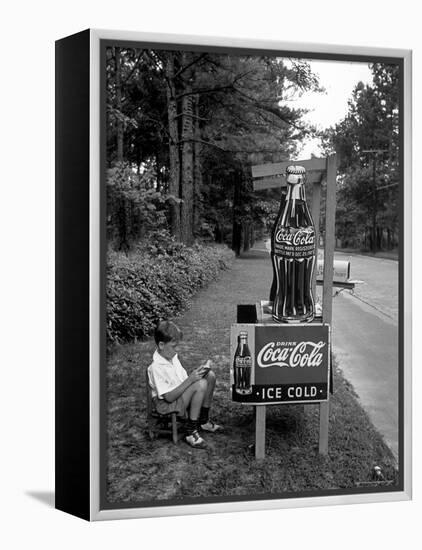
210,379
193,398
204,418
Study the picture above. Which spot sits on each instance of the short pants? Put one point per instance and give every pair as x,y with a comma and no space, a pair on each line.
164,407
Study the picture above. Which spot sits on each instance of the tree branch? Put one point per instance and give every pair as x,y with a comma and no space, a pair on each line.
158,67
196,117
134,67
206,91
183,69
212,90
273,110
211,144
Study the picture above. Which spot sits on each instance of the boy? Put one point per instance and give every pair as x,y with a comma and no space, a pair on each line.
174,390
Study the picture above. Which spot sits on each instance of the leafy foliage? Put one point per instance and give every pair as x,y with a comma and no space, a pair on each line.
199,120
249,120
156,281
367,142
134,206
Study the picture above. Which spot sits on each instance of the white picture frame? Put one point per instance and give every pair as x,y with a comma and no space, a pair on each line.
84,50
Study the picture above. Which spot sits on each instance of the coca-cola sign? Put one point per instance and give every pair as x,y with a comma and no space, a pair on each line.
303,354
290,363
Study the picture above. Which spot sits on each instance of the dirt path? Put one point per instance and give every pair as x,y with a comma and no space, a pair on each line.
247,282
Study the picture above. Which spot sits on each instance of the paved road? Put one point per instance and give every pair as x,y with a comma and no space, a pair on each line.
380,282
366,346
365,339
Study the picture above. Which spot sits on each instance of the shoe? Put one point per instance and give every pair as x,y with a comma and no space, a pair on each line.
195,440
211,426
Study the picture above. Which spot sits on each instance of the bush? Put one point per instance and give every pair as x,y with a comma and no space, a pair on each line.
156,281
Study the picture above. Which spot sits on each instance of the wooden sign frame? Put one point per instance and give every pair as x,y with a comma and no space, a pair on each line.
260,407
268,176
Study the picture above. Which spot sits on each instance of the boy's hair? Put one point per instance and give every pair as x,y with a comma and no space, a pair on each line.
166,331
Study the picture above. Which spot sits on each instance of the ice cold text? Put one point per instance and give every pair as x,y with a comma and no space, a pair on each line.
286,393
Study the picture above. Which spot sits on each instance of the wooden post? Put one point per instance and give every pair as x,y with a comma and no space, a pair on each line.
315,211
330,218
327,296
316,205
260,412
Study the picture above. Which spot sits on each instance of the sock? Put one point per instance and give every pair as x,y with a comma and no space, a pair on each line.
191,425
204,415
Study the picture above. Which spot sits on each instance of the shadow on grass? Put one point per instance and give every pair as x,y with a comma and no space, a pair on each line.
254,255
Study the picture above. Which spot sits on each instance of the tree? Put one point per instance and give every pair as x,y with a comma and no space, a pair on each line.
247,123
367,142
134,207
201,119
173,142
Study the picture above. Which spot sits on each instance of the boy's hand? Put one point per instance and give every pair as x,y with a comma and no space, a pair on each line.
206,368
200,372
196,374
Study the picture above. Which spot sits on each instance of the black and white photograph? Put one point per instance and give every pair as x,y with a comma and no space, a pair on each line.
210,275
253,232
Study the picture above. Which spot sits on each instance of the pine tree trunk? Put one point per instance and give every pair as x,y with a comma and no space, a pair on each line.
187,168
119,106
158,174
246,236
237,226
237,238
197,169
174,169
218,233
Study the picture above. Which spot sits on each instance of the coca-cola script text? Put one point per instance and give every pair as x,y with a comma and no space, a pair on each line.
297,238
304,354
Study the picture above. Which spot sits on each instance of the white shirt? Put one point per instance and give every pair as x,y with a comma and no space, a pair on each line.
164,375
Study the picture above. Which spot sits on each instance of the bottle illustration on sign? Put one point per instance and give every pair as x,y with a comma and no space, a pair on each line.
293,252
242,366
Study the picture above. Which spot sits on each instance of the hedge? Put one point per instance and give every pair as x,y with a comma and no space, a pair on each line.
155,283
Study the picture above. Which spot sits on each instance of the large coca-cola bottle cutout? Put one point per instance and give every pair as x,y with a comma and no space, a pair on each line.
293,252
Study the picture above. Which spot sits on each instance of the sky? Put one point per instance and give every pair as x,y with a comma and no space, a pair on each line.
339,79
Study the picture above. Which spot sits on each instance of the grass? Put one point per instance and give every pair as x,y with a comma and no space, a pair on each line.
141,470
